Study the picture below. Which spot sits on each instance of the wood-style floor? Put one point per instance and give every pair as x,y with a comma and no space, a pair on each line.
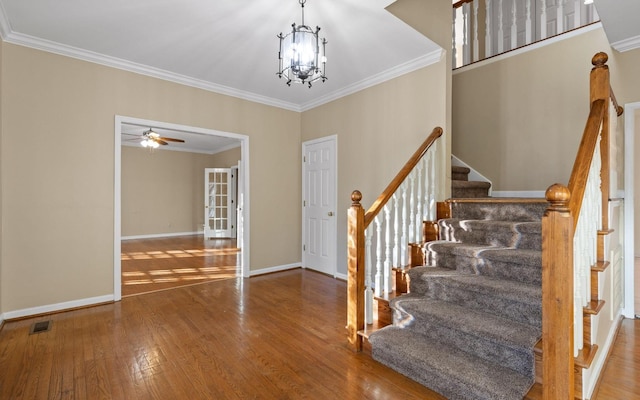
149,265
277,336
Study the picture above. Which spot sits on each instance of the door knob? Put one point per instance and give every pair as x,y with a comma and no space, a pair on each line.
330,213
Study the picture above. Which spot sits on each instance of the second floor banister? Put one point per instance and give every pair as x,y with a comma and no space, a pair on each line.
378,239
485,28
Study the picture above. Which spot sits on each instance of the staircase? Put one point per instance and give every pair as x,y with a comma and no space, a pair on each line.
469,325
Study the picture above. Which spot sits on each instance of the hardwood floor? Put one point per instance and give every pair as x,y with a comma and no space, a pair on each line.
149,265
621,375
277,336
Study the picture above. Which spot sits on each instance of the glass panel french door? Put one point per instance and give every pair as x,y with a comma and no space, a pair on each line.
218,201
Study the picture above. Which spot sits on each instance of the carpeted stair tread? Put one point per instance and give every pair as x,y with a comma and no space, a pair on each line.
446,369
501,233
507,342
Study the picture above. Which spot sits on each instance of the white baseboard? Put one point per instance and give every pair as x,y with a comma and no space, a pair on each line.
341,276
519,193
67,305
1,321
277,268
160,235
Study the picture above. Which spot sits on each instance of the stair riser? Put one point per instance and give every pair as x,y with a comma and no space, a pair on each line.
525,273
470,193
507,236
499,211
459,176
486,301
518,359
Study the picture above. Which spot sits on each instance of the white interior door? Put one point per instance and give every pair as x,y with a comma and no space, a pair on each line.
218,202
319,205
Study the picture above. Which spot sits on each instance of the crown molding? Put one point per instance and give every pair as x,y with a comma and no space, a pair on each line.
391,73
85,55
631,43
118,63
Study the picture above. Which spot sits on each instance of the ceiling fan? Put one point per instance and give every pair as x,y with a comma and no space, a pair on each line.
152,139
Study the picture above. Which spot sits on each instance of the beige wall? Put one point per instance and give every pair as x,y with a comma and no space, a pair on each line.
57,167
163,191
379,128
227,159
518,121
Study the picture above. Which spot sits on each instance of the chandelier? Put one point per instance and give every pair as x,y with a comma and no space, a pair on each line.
302,54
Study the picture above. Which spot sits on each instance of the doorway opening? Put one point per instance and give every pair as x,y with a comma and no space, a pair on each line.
210,256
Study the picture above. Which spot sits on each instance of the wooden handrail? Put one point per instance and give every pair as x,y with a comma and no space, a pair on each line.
459,4
580,172
384,197
619,109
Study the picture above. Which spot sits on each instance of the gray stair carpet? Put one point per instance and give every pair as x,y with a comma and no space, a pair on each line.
461,187
469,325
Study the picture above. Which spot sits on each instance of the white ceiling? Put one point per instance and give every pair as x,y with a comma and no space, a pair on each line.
227,46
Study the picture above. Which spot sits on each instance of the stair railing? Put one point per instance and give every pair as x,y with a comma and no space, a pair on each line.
570,228
392,222
485,28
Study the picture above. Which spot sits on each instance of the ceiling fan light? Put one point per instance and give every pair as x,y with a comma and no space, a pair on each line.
145,143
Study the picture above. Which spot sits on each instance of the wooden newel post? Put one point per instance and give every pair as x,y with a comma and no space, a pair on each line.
355,264
557,296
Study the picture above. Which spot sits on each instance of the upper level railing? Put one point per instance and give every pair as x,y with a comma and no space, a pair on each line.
392,222
485,28
570,248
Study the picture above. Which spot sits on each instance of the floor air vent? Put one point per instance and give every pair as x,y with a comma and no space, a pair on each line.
40,327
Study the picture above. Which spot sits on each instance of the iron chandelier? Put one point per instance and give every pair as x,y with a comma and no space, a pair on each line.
302,54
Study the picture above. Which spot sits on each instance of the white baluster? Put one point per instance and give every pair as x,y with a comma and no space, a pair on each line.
368,291
500,31
454,52
514,26
396,231
419,215
560,17
432,183
378,288
476,43
528,25
387,249
412,208
466,50
543,19
577,13
488,26
403,241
